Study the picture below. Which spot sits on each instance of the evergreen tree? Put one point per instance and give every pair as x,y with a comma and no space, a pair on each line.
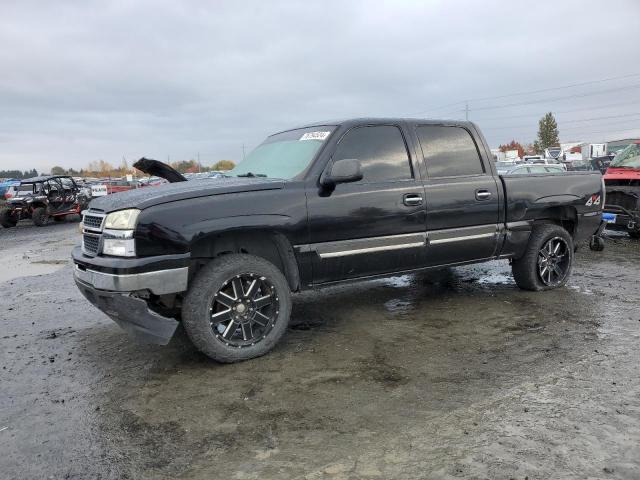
548,135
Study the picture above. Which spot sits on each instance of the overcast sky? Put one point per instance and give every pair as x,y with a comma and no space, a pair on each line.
82,80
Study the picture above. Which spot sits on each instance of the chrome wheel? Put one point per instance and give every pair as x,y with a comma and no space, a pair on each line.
554,261
244,310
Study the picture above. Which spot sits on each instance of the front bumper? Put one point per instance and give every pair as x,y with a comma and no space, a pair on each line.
118,295
161,282
131,314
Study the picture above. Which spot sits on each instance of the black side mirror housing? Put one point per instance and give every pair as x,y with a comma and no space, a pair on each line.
342,171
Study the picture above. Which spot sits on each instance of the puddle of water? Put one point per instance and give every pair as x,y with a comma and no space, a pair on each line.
16,264
580,289
495,279
399,282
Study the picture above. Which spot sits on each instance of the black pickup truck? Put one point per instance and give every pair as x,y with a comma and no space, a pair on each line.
316,205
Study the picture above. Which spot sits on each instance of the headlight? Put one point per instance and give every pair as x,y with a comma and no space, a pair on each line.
119,243
122,220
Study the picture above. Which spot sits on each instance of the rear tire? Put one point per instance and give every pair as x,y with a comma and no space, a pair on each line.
635,234
549,246
40,217
6,220
237,307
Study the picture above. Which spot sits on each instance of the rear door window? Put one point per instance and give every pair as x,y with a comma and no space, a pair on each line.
381,151
449,151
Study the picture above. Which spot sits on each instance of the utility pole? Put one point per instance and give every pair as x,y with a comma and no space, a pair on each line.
199,166
466,111
243,151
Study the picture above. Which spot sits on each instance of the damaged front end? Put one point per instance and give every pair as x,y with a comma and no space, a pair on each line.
132,314
622,208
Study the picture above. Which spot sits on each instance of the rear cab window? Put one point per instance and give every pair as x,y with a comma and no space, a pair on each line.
449,151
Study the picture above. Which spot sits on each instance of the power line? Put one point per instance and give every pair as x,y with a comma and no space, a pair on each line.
547,100
611,105
530,92
528,131
591,82
437,108
564,122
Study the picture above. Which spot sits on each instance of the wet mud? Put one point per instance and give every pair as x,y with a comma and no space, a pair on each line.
454,374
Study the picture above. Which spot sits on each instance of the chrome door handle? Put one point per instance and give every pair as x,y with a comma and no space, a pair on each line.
483,194
412,199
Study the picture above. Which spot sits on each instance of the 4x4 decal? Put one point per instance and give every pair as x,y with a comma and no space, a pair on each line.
593,200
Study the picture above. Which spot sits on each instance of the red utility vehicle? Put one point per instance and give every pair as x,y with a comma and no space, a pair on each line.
622,182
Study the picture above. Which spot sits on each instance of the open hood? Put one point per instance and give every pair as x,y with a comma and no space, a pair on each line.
159,169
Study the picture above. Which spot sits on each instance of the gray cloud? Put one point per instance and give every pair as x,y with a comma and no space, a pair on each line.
88,80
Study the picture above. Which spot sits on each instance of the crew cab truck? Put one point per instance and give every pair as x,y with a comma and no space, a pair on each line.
315,205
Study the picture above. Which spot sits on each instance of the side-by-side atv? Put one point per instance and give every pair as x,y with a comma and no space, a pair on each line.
43,198
622,182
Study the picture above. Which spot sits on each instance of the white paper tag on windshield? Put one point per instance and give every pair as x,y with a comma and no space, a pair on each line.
315,136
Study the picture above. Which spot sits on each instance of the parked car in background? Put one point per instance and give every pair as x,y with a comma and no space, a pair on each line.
580,165
152,181
6,184
538,160
502,167
10,192
622,181
115,186
526,169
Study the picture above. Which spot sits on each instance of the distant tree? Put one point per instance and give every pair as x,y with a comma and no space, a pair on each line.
513,146
536,147
548,135
185,166
58,171
224,165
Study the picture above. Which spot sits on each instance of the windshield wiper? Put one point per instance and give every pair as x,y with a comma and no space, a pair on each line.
251,175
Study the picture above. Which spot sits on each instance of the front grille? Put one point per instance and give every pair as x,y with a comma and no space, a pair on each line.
92,221
90,244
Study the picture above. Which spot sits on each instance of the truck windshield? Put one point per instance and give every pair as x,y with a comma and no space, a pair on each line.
284,155
629,157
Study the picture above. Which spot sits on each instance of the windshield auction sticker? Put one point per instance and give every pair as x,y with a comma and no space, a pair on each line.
315,136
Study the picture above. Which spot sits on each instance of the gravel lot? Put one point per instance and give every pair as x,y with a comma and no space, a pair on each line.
452,375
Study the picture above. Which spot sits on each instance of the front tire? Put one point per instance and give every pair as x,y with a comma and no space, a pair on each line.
635,234
237,308
547,261
40,217
6,219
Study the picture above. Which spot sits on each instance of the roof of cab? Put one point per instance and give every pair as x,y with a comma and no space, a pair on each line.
348,122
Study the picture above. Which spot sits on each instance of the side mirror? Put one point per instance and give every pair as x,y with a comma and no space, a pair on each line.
342,171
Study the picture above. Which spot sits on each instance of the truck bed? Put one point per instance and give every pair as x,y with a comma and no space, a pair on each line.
534,197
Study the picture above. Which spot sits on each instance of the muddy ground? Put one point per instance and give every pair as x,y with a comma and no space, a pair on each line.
454,375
